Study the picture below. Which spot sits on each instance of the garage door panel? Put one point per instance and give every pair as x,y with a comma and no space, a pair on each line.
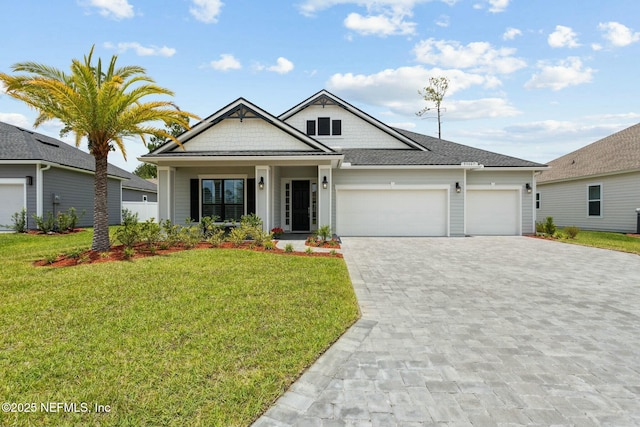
493,212
391,212
12,197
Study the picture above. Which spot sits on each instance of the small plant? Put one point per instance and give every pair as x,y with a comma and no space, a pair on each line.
333,252
84,258
308,251
171,232
277,232
45,225
63,221
237,235
208,225
571,231
129,234
333,243
549,227
74,253
18,221
128,253
252,220
74,218
269,246
129,218
51,258
217,237
163,246
105,255
190,236
324,233
288,248
540,228
150,233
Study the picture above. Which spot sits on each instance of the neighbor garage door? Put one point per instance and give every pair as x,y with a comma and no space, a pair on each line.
11,200
493,212
391,212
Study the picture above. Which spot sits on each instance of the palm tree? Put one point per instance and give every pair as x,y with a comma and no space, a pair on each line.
103,106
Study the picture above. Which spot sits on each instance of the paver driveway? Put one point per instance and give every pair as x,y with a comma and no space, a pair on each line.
479,331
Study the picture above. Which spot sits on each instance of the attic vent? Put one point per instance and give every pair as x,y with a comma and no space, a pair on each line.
51,144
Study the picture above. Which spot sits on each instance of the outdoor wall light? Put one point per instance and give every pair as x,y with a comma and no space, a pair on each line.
29,180
325,183
261,183
528,187
458,188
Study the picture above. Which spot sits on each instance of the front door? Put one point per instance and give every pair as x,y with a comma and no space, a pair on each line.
301,205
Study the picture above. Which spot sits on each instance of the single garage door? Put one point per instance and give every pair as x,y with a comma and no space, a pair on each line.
397,212
493,212
11,201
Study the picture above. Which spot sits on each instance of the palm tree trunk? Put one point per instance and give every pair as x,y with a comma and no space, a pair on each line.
100,210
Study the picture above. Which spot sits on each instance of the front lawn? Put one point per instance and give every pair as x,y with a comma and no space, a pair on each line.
205,337
601,239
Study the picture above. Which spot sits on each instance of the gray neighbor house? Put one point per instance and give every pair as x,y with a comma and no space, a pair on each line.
43,174
596,187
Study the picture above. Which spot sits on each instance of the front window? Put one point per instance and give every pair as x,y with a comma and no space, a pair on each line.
595,200
223,198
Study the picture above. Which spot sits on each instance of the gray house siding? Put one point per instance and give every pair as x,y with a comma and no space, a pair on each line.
567,203
76,189
407,177
130,195
511,178
21,172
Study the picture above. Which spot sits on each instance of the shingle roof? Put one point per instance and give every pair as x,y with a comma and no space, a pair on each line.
22,144
615,153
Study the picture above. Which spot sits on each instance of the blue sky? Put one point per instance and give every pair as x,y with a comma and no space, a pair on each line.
531,79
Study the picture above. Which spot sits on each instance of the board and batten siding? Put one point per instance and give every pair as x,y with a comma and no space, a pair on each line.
21,172
407,177
567,203
356,133
76,190
487,177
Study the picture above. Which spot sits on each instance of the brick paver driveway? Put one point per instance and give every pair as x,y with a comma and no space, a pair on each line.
479,331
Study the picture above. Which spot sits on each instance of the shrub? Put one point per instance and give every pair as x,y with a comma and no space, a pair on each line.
45,225
150,233
277,232
129,234
190,236
129,218
217,237
269,246
540,227
128,253
333,252
18,221
549,227
237,235
571,231
252,220
308,251
74,218
171,232
51,258
288,248
208,225
74,253
324,233
63,222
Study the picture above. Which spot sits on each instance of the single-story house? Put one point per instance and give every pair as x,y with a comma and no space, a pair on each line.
596,187
326,162
43,174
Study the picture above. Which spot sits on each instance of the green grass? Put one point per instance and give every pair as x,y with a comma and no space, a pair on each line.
203,337
604,240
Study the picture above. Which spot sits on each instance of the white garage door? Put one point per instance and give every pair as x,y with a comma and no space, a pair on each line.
11,201
493,212
398,212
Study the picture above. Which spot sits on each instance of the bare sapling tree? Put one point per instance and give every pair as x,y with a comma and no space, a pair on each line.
435,93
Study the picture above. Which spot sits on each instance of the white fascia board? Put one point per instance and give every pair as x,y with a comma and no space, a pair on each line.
456,167
511,169
55,165
189,159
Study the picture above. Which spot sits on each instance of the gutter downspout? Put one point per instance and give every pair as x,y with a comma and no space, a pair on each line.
40,187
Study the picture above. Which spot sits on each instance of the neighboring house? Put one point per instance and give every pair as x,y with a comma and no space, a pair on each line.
596,187
43,174
325,162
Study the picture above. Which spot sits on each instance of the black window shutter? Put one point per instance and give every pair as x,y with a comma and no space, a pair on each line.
251,196
324,126
195,200
311,127
336,127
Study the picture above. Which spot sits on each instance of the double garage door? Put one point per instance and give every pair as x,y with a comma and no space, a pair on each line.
12,200
424,212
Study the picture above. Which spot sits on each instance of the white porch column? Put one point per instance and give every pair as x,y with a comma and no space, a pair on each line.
263,195
165,193
324,196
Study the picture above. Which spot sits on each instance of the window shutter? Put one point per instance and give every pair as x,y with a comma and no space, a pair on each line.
324,126
195,200
311,127
336,127
251,196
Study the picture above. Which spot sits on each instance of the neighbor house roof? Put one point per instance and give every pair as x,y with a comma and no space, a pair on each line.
619,152
26,146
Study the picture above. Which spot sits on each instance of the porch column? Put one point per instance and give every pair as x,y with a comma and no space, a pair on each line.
324,195
165,193
263,195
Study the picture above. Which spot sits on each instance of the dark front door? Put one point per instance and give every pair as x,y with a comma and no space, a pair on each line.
301,205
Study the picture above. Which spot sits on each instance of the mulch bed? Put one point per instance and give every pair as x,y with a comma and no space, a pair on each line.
328,244
117,253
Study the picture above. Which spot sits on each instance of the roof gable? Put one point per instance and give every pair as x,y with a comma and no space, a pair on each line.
242,126
359,129
619,152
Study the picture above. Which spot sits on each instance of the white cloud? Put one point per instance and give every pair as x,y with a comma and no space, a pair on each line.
443,21
15,119
497,6
596,46
481,108
568,72
380,25
283,66
115,9
226,62
618,34
206,11
476,56
511,33
563,37
141,50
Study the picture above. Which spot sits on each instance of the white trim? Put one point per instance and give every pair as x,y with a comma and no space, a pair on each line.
497,187
18,181
253,159
223,176
593,184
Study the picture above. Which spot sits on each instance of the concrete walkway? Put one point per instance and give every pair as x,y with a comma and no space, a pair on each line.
479,331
